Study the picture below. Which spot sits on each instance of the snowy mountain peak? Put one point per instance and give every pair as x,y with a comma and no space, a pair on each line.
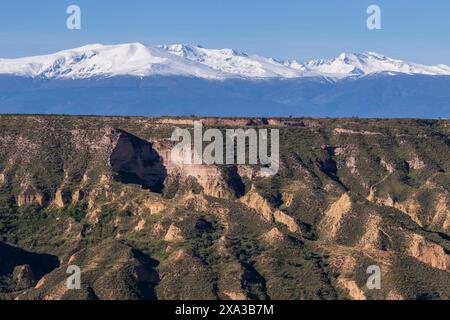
232,62
345,56
348,64
191,51
136,59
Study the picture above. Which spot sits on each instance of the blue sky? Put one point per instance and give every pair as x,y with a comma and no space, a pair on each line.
414,30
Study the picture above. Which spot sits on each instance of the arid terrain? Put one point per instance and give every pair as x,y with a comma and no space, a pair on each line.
101,193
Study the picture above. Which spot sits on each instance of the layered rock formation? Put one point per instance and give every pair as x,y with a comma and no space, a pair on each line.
103,193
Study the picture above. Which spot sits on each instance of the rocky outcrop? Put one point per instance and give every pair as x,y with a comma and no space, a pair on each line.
236,295
333,216
30,197
354,292
287,220
197,202
287,198
251,172
256,202
212,187
155,207
216,181
174,234
140,225
363,132
416,164
59,200
388,166
441,218
231,281
410,207
77,196
24,276
372,233
428,252
212,180
393,295
273,237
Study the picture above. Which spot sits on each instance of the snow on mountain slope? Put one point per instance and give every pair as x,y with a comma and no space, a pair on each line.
136,59
132,59
348,64
233,62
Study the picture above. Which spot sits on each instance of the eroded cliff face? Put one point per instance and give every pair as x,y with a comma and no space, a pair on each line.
211,180
103,193
136,162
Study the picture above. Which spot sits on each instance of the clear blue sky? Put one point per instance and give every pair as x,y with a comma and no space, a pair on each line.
415,30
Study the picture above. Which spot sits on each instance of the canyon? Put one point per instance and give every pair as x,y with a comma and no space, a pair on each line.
102,193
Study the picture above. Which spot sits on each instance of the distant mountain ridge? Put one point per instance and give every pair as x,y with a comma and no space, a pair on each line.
136,59
134,79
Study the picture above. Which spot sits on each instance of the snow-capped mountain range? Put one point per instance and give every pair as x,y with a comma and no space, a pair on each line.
134,79
136,59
